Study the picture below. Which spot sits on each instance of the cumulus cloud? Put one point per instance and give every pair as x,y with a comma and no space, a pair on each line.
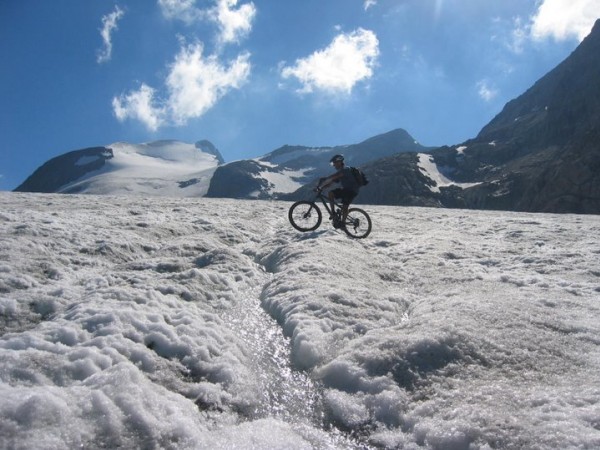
564,19
234,22
109,24
350,58
139,105
194,85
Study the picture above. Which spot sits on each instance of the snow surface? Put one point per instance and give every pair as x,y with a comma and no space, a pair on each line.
431,170
282,182
156,168
206,323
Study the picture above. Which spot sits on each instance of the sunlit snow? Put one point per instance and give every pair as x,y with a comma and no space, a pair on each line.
206,323
282,182
161,168
430,169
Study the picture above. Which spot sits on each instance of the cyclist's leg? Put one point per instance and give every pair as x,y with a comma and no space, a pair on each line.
333,194
345,207
347,197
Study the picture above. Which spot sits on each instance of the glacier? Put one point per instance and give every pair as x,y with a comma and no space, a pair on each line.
158,322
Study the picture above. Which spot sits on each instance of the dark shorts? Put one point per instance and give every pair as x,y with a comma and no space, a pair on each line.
345,195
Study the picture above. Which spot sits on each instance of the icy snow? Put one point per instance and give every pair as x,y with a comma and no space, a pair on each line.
283,182
205,323
429,168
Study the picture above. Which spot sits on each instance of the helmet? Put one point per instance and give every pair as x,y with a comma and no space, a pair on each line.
337,158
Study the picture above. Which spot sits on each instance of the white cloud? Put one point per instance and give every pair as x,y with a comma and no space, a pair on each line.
234,22
564,19
486,91
349,59
194,84
369,3
139,105
184,10
109,24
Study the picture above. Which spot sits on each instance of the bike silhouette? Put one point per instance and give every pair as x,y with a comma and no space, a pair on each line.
305,215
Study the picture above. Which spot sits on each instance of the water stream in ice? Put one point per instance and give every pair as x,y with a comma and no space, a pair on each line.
286,394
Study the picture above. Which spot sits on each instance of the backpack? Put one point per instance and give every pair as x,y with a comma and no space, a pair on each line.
360,176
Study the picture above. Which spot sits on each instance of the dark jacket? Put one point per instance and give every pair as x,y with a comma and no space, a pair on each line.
348,180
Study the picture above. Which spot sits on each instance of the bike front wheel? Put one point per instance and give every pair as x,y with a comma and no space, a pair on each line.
305,216
358,223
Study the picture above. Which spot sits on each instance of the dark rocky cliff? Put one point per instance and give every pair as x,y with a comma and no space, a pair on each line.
540,154
64,169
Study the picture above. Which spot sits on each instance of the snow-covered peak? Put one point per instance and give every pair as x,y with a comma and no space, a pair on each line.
175,152
160,168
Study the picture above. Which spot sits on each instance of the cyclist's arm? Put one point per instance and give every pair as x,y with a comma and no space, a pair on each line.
329,180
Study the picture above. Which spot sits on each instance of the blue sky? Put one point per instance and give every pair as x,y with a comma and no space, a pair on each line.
251,76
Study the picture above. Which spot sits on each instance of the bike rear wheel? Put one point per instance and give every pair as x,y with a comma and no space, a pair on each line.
358,223
305,216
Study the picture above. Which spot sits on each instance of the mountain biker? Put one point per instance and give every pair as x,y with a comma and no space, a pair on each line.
346,192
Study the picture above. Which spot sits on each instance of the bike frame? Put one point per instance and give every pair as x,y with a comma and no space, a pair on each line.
327,203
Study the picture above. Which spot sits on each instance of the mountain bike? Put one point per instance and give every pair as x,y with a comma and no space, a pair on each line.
305,215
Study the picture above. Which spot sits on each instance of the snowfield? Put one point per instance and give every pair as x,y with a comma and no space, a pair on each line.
431,170
206,323
160,168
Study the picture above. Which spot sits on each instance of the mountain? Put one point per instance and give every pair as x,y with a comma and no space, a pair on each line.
287,169
174,168
163,168
540,154
544,146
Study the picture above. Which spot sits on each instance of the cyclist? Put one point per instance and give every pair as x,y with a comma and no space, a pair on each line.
346,192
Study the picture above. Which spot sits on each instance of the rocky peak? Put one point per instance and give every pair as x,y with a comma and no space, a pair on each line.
563,103
208,147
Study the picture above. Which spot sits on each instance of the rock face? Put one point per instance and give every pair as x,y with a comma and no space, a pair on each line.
65,169
546,155
240,179
540,154
397,180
